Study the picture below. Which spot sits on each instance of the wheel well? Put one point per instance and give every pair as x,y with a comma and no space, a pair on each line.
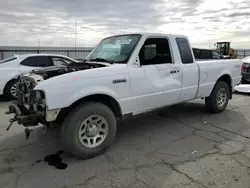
227,79
104,99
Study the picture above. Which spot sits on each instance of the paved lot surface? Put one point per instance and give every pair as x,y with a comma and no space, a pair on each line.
180,146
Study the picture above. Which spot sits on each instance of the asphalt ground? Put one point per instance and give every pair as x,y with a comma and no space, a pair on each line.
178,146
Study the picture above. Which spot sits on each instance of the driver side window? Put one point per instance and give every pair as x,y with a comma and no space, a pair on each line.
155,51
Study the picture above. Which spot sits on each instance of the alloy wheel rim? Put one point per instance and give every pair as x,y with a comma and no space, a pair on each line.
13,90
221,97
93,131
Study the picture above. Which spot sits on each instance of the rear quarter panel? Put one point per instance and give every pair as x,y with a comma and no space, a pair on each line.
211,71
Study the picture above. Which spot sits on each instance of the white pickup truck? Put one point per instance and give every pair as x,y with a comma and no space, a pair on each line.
123,75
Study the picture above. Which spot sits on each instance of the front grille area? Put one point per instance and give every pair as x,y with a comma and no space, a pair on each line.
25,86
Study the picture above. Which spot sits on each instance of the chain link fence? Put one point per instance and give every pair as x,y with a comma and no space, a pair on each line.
243,53
76,53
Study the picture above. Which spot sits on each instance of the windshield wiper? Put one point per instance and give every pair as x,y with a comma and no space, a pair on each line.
101,59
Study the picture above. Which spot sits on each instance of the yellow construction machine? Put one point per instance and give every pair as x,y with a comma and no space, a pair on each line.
225,49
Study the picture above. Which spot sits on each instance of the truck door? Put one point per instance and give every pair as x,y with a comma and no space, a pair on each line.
162,79
189,69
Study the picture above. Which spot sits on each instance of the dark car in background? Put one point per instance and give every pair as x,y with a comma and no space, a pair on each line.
208,54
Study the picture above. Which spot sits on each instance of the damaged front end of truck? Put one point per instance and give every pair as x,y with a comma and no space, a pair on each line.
30,108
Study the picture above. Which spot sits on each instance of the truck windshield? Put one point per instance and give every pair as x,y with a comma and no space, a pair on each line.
115,49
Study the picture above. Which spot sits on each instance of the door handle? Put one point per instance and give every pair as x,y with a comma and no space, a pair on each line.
174,71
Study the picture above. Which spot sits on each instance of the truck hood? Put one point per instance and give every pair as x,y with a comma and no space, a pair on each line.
83,75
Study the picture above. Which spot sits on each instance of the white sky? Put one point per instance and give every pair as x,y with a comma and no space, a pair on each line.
53,22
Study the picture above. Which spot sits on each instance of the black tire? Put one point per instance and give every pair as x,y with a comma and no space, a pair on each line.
212,102
72,123
7,91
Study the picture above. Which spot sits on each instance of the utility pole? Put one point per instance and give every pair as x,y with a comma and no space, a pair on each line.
38,43
75,35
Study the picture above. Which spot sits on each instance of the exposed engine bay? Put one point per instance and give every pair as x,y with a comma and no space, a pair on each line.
30,108
47,73
27,81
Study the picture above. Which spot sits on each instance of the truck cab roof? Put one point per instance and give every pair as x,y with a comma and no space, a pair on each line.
148,34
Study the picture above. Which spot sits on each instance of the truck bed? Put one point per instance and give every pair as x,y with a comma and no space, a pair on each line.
211,69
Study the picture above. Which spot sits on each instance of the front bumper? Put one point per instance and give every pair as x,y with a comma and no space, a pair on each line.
28,118
22,117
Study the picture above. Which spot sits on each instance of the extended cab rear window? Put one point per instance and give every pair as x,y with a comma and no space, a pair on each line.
185,50
8,59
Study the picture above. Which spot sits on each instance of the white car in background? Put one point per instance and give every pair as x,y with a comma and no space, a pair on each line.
13,66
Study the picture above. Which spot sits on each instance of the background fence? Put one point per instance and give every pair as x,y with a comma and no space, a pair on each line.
76,53
243,53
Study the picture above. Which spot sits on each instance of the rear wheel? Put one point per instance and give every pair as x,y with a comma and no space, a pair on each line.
11,90
218,100
88,130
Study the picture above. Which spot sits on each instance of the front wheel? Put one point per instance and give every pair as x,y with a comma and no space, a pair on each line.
88,130
218,99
